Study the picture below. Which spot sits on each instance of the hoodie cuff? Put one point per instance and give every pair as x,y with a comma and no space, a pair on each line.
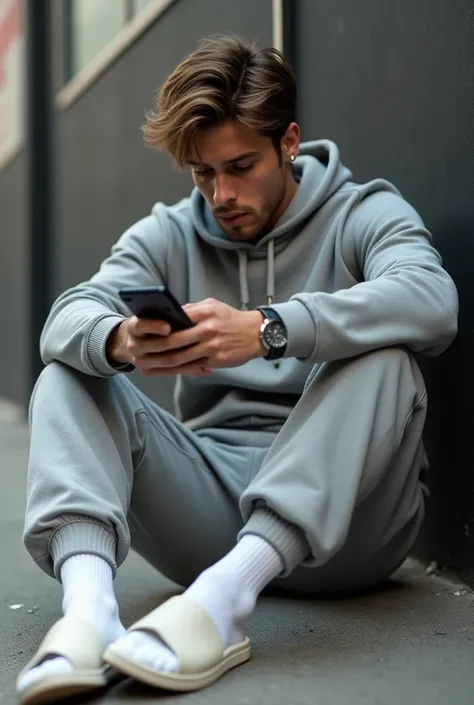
300,328
96,357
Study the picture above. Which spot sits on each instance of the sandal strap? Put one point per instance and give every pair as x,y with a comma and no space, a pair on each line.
74,639
176,622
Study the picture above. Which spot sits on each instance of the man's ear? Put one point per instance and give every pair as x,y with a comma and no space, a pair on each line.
290,142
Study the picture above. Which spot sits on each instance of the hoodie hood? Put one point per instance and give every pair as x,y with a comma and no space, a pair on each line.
319,173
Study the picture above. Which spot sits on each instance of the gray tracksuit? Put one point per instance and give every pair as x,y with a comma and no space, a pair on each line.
329,441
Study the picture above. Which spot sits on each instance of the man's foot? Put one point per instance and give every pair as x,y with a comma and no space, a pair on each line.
227,602
88,594
227,591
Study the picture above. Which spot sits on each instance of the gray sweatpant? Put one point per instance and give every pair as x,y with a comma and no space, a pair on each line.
109,468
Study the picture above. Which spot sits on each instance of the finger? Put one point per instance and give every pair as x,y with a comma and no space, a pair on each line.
183,338
201,311
142,327
173,358
149,345
154,344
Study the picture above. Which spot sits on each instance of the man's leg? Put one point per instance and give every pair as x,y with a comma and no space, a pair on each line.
345,464
106,462
346,469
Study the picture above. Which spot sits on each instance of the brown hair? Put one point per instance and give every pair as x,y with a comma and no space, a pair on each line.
224,79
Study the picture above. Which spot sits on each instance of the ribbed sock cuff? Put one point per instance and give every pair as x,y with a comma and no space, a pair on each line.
286,538
256,561
82,537
85,569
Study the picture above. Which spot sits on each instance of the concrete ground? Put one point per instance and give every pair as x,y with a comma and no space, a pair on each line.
413,642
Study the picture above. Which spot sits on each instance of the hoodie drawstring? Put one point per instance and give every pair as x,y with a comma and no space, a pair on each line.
243,280
243,276
270,272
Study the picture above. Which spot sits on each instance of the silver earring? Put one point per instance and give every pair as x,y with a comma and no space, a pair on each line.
292,158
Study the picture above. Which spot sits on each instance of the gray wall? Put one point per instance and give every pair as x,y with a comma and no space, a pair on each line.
107,177
14,280
393,84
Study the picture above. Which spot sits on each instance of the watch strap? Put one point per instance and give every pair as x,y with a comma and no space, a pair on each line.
269,313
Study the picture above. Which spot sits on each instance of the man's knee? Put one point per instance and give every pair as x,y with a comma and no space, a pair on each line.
396,362
58,382
51,377
53,373
387,358
394,355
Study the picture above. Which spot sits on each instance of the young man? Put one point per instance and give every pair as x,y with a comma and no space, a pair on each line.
296,453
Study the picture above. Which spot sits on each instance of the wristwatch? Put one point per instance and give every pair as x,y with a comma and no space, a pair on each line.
273,334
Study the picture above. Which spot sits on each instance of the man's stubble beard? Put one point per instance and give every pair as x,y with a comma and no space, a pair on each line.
272,208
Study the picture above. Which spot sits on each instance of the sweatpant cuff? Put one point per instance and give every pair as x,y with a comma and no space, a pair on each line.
286,538
82,537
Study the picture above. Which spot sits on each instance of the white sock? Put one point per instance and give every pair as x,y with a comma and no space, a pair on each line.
228,591
88,593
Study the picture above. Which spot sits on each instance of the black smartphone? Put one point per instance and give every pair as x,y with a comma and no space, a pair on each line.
156,302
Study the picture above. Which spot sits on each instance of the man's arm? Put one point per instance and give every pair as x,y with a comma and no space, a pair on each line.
82,319
407,297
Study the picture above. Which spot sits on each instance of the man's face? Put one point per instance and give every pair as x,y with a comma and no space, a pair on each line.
240,176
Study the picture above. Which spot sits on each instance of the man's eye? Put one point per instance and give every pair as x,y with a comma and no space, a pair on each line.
243,167
202,172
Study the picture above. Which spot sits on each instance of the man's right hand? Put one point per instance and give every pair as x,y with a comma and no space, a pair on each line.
130,340
136,341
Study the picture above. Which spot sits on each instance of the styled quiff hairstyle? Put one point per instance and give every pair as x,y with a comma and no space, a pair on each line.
224,79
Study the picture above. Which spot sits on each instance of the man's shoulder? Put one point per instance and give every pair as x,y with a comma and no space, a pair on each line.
176,216
162,221
179,210
379,197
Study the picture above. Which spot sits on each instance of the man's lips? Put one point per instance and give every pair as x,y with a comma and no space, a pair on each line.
232,218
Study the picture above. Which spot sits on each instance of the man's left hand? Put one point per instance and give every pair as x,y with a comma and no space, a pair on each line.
221,337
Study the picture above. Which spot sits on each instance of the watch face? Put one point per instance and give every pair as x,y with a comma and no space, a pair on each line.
275,334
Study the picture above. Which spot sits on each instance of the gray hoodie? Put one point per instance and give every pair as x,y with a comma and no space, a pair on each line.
349,268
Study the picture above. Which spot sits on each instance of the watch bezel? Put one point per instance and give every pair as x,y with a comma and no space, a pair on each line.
273,323
270,316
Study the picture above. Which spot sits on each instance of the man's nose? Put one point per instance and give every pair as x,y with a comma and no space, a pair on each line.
223,190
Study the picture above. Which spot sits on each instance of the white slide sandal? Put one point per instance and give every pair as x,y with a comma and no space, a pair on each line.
78,642
189,632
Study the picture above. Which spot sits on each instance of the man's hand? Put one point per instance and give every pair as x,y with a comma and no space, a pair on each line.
128,334
221,337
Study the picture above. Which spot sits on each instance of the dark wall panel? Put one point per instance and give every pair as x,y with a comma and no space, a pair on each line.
393,84
13,281
107,177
